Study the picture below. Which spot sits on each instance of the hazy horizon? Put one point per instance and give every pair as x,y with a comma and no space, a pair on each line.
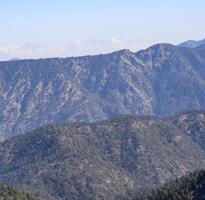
40,29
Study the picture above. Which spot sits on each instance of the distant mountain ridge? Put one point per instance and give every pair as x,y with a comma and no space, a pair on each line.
192,43
162,80
104,160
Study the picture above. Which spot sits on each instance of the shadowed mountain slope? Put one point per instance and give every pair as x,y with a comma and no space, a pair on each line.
105,159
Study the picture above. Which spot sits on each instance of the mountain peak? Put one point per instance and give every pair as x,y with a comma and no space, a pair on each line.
162,46
123,52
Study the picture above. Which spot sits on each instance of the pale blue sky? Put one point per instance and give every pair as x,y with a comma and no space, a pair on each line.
79,24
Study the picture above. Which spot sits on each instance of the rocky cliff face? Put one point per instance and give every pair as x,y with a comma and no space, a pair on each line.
103,160
162,80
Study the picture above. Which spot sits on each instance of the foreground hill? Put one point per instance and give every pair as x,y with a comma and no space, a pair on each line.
190,187
105,159
161,80
9,193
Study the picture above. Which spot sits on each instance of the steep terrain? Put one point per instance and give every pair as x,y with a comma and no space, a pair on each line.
105,159
162,80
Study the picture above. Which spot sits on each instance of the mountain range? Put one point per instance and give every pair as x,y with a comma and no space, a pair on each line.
104,160
161,81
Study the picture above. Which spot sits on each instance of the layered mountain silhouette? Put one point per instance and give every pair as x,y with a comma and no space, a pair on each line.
104,160
192,43
161,80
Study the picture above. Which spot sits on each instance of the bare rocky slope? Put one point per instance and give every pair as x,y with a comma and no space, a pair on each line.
161,80
104,160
